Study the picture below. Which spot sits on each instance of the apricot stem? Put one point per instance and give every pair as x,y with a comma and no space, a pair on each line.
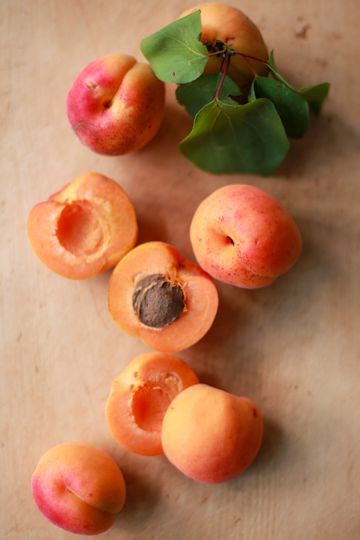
227,54
233,52
250,66
217,53
249,56
224,70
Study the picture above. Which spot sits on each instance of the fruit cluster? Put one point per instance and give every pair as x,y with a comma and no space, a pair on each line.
240,235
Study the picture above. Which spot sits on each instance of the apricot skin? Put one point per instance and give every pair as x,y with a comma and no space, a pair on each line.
79,488
211,435
83,229
244,237
116,105
200,293
140,396
231,26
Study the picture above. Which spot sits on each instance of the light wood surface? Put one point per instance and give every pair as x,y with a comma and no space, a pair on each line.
293,347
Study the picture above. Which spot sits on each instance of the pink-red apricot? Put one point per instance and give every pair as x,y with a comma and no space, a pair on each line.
211,435
78,488
242,236
116,105
161,297
232,27
140,396
85,228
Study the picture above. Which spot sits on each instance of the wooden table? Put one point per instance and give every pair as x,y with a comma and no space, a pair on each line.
293,347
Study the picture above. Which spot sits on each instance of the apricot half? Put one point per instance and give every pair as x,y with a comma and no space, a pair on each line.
228,25
161,297
211,435
78,488
85,228
140,396
243,236
116,104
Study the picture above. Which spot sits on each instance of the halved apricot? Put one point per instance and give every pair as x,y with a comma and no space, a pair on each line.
85,228
140,396
161,297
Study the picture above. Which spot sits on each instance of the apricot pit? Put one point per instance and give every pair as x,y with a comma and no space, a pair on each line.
158,302
161,297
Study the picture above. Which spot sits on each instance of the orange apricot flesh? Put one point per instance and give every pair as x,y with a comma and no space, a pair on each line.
162,298
85,228
78,488
211,435
140,396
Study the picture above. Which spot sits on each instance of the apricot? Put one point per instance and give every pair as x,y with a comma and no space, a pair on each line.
211,435
229,25
85,228
116,105
242,236
78,488
162,298
140,396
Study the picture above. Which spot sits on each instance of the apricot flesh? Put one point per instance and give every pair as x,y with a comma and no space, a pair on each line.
85,228
244,237
211,435
78,488
151,309
140,396
232,27
116,105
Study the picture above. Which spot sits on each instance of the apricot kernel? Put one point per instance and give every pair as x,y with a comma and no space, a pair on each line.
157,301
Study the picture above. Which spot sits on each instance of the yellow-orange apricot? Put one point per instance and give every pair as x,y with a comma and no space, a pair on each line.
140,396
78,488
243,236
231,26
211,435
161,297
85,228
116,105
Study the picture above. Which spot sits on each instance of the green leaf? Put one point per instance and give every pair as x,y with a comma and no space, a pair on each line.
271,61
293,109
251,95
176,53
272,66
198,93
315,95
237,138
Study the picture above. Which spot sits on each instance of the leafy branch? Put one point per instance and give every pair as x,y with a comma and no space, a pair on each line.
228,137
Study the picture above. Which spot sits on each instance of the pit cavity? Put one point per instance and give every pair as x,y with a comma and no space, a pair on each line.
151,400
157,301
79,229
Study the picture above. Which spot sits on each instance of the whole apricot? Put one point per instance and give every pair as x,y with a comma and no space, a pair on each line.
116,104
223,24
211,435
78,488
242,236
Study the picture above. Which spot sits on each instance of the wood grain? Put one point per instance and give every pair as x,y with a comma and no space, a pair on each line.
294,347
